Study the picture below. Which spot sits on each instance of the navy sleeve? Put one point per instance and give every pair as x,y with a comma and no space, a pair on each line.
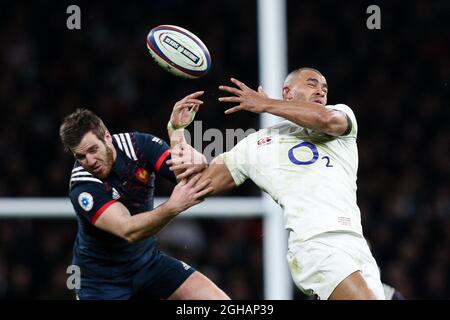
90,199
156,152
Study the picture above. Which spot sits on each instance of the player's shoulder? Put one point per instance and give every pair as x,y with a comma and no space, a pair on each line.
131,143
127,143
249,138
264,135
81,177
145,139
282,127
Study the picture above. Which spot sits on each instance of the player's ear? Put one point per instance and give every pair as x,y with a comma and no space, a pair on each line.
108,137
287,93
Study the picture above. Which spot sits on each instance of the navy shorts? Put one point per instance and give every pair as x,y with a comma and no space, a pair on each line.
157,280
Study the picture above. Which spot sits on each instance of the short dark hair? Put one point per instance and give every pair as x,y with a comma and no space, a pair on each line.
77,124
299,70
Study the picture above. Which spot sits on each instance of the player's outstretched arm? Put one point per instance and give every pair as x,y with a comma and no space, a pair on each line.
311,115
117,219
183,114
186,161
306,114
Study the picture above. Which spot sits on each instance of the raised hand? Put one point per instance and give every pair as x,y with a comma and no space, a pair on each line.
183,112
248,99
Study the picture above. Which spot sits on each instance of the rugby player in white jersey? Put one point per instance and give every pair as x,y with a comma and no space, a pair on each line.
308,165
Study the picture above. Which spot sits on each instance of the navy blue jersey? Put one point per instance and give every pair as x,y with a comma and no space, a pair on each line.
140,157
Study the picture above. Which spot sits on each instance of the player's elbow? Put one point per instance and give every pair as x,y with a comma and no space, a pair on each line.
129,234
321,122
330,123
133,237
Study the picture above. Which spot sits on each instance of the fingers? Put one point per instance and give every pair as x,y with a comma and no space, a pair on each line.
234,91
239,83
177,167
180,166
195,94
192,96
190,103
203,193
261,91
195,108
233,110
230,90
194,101
193,180
203,188
197,202
202,185
230,99
177,158
189,172
186,174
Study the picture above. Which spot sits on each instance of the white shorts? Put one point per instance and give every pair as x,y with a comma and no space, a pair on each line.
319,264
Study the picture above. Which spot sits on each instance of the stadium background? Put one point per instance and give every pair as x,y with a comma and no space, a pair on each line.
395,79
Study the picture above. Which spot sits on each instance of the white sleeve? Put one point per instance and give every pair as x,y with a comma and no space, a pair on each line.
349,112
237,162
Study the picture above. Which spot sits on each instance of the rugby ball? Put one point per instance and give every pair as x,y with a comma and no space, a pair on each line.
179,51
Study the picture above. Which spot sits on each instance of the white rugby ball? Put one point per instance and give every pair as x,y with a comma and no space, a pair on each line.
179,51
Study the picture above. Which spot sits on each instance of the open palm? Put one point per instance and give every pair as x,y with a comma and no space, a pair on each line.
183,112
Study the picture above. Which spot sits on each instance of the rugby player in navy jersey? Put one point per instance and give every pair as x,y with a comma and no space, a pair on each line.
111,189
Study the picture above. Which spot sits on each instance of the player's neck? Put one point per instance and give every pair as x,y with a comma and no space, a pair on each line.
114,153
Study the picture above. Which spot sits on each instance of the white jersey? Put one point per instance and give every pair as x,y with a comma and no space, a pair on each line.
310,174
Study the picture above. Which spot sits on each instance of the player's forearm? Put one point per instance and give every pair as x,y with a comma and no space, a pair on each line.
176,137
221,180
306,114
144,225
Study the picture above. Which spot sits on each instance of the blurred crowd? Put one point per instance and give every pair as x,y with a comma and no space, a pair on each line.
395,79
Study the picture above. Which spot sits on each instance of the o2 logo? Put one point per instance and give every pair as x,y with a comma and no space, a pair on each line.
315,152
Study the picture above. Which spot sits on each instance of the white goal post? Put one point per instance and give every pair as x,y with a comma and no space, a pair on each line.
272,54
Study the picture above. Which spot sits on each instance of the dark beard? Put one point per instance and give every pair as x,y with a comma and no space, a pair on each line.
109,162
